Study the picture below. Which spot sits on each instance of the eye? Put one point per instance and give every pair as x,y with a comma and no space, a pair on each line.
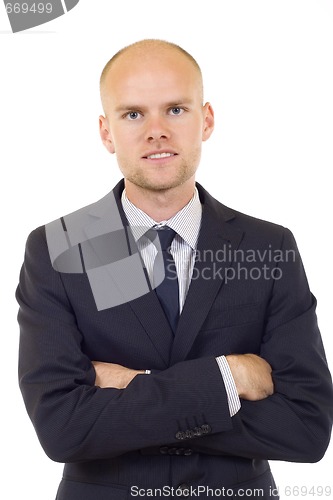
176,111
133,115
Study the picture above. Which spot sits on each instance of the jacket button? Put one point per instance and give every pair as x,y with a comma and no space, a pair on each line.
180,435
206,429
187,452
183,490
164,450
189,434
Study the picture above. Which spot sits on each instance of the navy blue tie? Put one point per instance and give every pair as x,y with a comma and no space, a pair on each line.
167,291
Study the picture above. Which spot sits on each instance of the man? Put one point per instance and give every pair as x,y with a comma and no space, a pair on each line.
169,344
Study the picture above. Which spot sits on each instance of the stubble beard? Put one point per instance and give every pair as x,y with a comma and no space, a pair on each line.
185,171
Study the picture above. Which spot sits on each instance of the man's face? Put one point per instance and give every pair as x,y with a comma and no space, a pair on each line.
155,121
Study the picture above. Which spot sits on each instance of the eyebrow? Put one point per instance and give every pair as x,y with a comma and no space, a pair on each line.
170,104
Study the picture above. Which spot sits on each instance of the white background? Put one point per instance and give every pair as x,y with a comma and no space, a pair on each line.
268,73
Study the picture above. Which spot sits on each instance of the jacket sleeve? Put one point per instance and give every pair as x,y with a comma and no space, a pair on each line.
294,424
76,421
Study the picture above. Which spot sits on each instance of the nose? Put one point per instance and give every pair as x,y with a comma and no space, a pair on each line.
157,129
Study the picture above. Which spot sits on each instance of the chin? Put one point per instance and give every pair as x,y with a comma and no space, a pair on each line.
156,184
160,182
164,185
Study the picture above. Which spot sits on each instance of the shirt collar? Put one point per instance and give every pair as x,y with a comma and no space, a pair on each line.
186,222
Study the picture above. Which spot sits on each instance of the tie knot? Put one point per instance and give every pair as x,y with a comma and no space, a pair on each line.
166,235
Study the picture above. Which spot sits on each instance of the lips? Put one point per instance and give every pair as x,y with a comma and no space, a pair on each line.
158,155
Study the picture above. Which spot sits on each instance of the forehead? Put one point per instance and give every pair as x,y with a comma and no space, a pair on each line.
148,75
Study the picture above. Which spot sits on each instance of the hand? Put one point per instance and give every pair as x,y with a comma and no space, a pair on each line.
113,375
252,375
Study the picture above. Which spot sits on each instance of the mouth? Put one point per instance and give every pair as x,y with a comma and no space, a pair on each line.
158,156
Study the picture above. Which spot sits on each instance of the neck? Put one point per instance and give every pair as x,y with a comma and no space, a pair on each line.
160,205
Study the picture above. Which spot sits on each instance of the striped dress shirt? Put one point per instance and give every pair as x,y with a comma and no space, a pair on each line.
186,223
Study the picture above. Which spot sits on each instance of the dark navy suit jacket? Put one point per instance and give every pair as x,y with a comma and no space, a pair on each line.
249,294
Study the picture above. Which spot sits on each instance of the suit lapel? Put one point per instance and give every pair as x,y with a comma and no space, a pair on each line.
131,283
150,314
216,234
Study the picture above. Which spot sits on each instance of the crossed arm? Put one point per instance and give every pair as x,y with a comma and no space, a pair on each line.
251,373
79,412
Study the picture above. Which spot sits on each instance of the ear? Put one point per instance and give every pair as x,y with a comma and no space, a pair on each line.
104,132
208,124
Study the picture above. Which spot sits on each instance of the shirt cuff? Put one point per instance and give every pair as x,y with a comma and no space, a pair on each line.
229,384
